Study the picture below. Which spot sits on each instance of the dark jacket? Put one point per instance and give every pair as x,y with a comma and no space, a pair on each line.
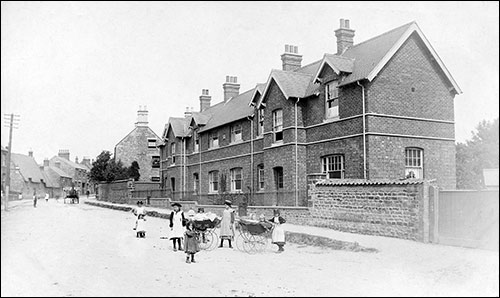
172,218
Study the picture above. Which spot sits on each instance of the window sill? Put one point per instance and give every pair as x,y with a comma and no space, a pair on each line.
331,119
277,143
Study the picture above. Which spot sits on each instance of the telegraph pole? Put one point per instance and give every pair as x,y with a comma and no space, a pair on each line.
11,121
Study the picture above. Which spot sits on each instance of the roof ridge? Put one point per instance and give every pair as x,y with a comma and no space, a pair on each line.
337,56
292,72
295,70
385,33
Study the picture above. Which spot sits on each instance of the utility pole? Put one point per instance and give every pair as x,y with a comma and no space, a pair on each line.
11,121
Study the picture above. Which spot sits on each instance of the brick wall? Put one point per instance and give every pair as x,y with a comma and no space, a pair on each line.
391,209
387,159
411,67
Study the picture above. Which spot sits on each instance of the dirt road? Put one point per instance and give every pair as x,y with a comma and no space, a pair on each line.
80,250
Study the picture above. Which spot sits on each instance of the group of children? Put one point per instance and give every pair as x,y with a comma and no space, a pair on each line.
182,228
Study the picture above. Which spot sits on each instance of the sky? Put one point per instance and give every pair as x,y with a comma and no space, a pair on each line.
77,72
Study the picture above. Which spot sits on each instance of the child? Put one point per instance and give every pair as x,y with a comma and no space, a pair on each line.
191,245
226,226
140,213
177,224
278,236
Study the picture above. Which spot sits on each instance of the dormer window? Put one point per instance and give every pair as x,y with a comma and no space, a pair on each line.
332,100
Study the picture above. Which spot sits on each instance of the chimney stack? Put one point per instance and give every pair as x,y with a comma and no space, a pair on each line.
142,117
45,162
76,159
58,164
30,153
231,88
344,36
291,59
204,100
189,112
64,154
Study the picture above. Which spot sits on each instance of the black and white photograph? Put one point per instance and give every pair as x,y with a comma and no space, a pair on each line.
250,149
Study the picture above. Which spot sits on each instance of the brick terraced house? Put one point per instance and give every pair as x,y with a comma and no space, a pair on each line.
141,145
380,109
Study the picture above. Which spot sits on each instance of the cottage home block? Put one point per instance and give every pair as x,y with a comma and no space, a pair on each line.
380,109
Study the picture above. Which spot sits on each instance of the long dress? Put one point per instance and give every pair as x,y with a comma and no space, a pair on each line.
141,224
226,225
177,225
191,244
278,236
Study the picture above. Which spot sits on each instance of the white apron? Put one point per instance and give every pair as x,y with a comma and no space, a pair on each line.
177,229
141,225
226,227
278,235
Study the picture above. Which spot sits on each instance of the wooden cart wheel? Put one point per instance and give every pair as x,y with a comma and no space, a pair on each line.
207,241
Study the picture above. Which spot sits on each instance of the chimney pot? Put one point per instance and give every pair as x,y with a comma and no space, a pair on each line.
291,60
30,153
231,87
64,154
345,37
46,162
204,100
142,116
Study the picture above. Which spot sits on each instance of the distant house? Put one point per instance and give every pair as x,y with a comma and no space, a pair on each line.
79,173
60,182
26,177
141,145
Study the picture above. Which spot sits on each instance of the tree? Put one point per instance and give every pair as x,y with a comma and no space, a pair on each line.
105,168
133,171
481,152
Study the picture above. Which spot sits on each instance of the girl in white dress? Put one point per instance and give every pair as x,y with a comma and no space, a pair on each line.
177,224
140,220
226,225
278,236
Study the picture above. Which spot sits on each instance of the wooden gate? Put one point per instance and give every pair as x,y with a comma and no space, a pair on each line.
465,218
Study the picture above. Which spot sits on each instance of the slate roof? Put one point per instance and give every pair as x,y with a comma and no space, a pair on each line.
49,179
59,172
179,126
70,163
232,110
369,53
28,167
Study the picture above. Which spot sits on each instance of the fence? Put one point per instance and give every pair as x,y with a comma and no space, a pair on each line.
466,218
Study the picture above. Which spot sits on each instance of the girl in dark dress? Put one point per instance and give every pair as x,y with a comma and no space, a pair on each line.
191,245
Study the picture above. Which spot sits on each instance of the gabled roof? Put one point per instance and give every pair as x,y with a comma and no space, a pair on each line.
135,128
179,126
70,163
372,55
292,84
337,63
27,167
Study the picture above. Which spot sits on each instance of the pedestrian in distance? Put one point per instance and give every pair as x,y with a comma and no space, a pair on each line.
191,245
35,198
140,220
227,224
177,224
278,235
47,197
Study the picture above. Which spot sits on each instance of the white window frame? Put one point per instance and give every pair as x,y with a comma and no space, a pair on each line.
196,142
196,182
172,152
261,177
260,129
331,100
236,133
236,175
331,164
213,181
150,143
277,125
414,162
214,140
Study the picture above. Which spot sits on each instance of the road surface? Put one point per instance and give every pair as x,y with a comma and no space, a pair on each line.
61,249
